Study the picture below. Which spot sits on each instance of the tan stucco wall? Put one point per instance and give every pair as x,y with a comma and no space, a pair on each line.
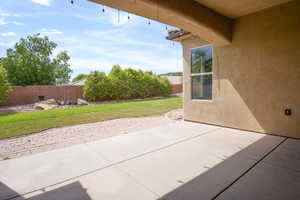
256,77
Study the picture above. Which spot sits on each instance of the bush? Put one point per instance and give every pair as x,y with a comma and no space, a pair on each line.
4,88
97,86
125,84
120,83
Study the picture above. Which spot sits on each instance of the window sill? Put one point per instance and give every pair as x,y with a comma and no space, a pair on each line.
203,100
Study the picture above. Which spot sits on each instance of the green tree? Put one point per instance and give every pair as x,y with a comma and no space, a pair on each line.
31,62
4,88
79,77
62,68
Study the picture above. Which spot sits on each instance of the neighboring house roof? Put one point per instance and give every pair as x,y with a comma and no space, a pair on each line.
177,34
174,80
172,74
80,82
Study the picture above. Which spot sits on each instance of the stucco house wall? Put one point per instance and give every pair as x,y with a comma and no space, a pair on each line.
256,77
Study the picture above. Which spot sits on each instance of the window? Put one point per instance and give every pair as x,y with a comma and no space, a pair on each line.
201,73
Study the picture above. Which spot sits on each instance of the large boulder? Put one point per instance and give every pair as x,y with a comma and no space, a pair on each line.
46,105
82,102
3,158
175,114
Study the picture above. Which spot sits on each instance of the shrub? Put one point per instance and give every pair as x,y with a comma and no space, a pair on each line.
125,84
120,83
4,88
97,86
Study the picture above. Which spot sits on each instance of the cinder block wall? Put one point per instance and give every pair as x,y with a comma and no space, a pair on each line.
21,95
177,88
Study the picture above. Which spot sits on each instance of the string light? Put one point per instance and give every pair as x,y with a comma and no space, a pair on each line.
157,10
135,5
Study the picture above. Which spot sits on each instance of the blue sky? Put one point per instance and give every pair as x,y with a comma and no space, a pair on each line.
94,40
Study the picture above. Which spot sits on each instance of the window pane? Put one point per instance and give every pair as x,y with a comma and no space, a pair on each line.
201,60
202,87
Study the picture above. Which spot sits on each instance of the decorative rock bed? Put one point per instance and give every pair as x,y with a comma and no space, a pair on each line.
43,105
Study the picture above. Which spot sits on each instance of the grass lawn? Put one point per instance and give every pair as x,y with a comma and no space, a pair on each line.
17,124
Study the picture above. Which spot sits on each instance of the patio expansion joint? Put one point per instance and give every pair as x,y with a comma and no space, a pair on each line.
139,183
249,169
116,163
157,149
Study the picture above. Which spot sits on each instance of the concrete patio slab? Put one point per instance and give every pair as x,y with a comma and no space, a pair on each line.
135,144
286,156
226,142
198,166
182,160
109,183
265,182
165,170
33,172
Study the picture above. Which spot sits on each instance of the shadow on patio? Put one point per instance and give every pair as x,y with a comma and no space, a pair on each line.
68,192
272,176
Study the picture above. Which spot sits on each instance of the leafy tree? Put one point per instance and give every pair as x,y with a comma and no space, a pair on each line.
4,88
62,68
31,62
79,77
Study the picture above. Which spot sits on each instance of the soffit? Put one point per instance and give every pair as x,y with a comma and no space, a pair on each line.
238,8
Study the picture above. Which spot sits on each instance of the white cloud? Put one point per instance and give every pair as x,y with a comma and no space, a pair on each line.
6,14
7,34
48,32
101,49
6,44
111,16
4,22
16,23
105,65
43,2
91,64
123,38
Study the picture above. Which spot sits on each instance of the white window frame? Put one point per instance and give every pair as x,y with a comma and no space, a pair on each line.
202,73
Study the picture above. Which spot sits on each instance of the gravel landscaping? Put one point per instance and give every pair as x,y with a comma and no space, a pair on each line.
67,136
